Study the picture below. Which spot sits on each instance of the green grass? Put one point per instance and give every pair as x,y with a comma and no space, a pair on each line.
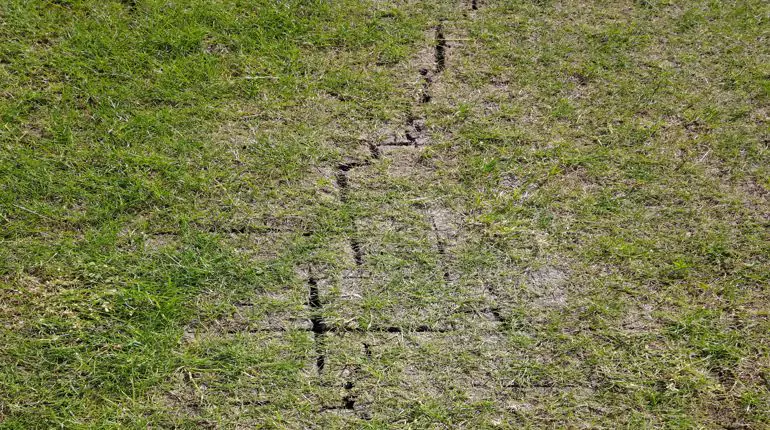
597,175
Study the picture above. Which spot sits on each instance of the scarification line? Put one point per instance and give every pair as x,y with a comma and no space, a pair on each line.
441,247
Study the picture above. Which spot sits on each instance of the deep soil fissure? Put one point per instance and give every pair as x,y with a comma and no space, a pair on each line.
318,324
440,48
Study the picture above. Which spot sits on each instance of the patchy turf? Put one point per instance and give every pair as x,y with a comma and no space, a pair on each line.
379,214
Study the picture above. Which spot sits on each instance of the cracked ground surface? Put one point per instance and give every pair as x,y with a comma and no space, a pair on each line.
385,214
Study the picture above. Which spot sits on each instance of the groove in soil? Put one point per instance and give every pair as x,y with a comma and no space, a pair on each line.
342,184
441,248
374,150
358,254
390,329
415,132
349,401
425,97
440,48
319,327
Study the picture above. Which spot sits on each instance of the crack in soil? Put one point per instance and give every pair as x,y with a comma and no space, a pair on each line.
358,254
440,48
415,135
390,329
244,229
441,248
342,184
474,5
495,310
427,80
415,132
319,327
342,177
349,401
338,96
395,142
374,149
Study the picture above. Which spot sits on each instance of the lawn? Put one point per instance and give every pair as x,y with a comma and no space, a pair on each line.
384,214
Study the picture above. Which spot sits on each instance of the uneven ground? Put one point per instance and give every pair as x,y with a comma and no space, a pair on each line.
384,214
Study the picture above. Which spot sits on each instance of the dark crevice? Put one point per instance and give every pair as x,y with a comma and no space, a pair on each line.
544,384
398,143
342,184
495,310
245,229
345,167
254,402
414,135
357,276
358,254
367,350
349,401
390,329
474,5
342,177
415,132
440,245
440,48
320,360
338,96
318,327
259,330
314,298
425,97
374,150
